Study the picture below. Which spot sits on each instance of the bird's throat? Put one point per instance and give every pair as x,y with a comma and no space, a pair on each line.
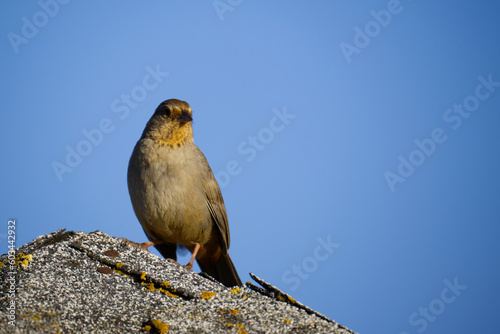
179,136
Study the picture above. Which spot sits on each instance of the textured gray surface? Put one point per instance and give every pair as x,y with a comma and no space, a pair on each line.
66,283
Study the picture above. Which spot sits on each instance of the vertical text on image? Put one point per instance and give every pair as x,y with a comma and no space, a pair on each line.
11,273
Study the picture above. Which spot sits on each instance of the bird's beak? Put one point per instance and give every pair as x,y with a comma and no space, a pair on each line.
184,117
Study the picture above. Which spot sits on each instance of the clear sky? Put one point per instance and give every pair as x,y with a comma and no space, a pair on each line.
356,145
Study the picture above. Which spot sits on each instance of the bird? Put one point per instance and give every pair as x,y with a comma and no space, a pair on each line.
175,195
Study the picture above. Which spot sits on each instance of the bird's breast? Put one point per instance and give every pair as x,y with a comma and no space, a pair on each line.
166,188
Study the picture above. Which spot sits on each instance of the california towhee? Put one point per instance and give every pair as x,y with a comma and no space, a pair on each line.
175,195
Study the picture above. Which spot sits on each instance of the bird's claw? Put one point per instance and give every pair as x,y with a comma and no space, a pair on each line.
144,246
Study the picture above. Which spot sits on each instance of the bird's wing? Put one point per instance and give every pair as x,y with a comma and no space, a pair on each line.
216,206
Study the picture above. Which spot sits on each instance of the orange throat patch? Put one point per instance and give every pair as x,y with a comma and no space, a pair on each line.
178,136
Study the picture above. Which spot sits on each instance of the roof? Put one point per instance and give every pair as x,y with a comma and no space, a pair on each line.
94,283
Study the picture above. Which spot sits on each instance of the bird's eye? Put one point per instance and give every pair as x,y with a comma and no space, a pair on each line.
166,112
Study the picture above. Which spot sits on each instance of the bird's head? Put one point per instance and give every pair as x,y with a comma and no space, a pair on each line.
171,124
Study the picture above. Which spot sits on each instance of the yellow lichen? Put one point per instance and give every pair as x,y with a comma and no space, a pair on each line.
143,276
166,285
146,328
287,321
229,325
118,271
236,290
242,331
168,293
281,298
161,327
207,295
291,300
2,264
149,286
18,258
240,325
233,312
119,265
23,259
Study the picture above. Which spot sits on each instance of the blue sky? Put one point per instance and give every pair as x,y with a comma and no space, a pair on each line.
356,145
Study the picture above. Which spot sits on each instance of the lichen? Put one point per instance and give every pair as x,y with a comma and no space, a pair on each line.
207,295
149,286
22,259
161,327
168,293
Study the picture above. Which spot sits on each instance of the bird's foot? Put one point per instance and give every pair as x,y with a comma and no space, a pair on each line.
144,246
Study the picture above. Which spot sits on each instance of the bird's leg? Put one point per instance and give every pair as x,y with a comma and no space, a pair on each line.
143,246
195,252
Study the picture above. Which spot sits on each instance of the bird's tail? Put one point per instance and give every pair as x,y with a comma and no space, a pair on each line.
223,271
